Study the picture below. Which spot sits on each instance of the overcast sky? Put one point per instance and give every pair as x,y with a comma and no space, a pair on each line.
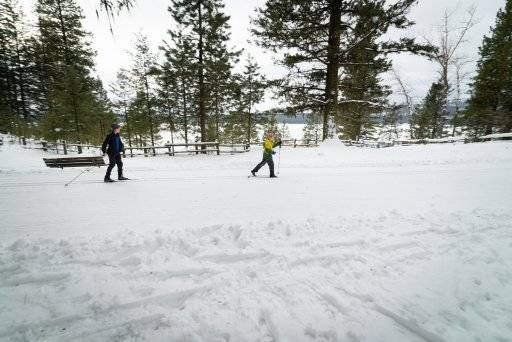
152,19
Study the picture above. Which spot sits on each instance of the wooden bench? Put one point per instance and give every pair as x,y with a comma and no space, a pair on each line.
74,162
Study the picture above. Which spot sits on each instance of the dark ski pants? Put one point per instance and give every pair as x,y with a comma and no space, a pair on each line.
114,159
268,161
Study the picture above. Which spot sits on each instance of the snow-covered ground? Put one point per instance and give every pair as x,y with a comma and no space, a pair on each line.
349,244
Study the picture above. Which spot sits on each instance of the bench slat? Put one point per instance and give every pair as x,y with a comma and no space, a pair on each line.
74,162
64,160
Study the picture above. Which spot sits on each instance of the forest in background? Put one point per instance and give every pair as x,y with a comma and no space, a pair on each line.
335,54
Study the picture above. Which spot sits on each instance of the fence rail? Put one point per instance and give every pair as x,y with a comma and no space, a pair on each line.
63,147
295,143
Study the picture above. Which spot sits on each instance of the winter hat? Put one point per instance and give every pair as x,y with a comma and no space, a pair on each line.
115,126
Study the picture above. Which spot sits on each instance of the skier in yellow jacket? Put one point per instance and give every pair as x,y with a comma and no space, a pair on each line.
268,146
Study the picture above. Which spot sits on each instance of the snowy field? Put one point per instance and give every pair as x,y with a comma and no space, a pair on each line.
349,244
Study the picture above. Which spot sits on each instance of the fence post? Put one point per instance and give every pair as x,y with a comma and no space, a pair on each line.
196,148
79,147
45,145
24,141
294,143
218,148
64,147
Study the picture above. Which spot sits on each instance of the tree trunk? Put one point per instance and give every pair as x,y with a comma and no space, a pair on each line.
148,105
21,84
128,131
217,130
169,113
249,111
333,50
202,110
69,66
185,118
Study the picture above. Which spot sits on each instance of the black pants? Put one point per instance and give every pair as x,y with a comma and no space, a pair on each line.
114,159
268,161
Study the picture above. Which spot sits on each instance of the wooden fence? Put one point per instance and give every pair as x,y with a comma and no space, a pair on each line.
447,140
294,143
63,147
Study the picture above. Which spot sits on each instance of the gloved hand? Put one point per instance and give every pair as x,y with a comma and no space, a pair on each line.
273,152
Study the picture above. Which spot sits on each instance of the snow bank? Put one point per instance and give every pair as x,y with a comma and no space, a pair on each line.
430,277
497,135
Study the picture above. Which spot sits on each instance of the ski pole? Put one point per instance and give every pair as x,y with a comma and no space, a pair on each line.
279,160
81,173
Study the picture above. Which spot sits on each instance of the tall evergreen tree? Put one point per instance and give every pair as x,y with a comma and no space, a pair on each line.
16,77
179,74
207,26
316,38
167,99
143,73
363,94
252,90
123,92
219,62
65,63
490,105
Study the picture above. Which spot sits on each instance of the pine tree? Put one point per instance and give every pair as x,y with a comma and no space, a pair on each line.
179,74
207,27
313,129
219,62
428,120
123,92
363,94
252,87
270,123
143,74
390,122
8,113
316,38
65,63
490,105
167,99
16,77
103,112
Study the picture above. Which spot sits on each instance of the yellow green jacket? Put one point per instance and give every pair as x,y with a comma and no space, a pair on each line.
268,145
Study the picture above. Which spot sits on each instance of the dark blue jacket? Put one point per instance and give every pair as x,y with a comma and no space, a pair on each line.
109,145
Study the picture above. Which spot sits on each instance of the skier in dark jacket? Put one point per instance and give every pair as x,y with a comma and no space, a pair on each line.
113,146
268,146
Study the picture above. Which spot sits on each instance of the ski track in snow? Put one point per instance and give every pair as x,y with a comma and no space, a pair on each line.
390,275
153,287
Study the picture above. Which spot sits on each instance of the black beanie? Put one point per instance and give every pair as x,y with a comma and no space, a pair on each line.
115,126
